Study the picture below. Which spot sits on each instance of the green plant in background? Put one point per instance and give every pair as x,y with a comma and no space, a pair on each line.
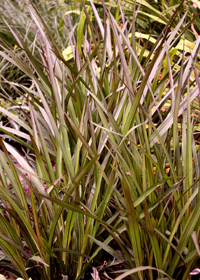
106,157
16,13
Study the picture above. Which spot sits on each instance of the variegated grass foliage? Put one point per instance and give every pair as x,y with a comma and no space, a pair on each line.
98,151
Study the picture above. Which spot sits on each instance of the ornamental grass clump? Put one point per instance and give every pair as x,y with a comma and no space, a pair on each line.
99,159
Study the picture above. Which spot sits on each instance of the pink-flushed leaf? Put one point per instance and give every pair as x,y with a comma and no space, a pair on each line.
139,269
169,120
190,61
196,271
74,46
197,81
95,274
108,42
98,19
14,34
195,240
127,42
64,277
121,52
160,57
